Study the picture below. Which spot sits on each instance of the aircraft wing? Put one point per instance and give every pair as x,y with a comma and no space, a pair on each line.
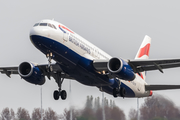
9,70
161,87
142,65
55,68
147,65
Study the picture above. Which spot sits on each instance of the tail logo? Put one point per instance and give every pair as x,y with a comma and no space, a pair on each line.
62,29
144,51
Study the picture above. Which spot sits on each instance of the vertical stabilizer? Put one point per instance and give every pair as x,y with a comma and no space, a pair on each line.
143,52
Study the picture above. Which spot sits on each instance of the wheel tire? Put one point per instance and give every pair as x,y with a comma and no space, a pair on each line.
115,92
56,95
63,94
123,92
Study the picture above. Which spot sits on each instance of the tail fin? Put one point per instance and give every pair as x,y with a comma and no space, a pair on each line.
143,52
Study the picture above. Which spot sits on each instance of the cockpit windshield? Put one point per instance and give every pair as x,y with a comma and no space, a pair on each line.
36,24
51,25
45,24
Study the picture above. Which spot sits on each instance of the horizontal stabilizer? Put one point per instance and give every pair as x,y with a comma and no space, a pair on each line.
161,87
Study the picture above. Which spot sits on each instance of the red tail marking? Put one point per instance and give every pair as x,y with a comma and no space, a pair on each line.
151,93
141,76
144,51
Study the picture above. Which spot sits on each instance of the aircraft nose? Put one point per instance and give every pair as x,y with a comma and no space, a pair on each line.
39,31
34,31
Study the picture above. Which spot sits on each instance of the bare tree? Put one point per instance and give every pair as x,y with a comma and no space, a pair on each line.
23,114
112,112
133,114
12,114
66,114
89,102
7,114
88,111
36,114
106,102
50,115
158,107
117,114
111,104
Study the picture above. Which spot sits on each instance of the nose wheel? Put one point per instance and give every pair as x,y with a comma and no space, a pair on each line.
59,80
61,94
56,95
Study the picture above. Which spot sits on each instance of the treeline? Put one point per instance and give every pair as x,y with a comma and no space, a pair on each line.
23,114
154,108
92,111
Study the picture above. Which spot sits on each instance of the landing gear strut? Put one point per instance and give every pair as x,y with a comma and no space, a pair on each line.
59,80
49,56
59,92
115,92
119,90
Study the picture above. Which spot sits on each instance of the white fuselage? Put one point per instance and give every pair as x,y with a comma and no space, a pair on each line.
84,48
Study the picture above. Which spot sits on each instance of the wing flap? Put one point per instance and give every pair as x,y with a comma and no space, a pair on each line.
9,70
161,87
154,67
151,61
147,65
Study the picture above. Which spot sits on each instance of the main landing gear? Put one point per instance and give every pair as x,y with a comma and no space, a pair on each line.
59,80
119,90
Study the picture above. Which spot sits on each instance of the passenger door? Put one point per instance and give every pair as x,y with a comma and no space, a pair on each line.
65,37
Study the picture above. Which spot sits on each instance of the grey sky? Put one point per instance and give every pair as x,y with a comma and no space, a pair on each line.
117,27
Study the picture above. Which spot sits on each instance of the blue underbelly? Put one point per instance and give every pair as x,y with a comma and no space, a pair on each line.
75,65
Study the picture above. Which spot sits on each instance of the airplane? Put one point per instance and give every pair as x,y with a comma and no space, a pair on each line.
78,59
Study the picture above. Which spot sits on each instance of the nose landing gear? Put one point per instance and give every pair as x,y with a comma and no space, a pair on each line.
49,56
59,92
59,80
62,93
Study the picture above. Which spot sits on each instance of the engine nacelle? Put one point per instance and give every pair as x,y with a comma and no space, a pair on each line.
31,73
121,69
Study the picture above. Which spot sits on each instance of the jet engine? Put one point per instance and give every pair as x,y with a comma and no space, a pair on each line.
121,69
31,73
